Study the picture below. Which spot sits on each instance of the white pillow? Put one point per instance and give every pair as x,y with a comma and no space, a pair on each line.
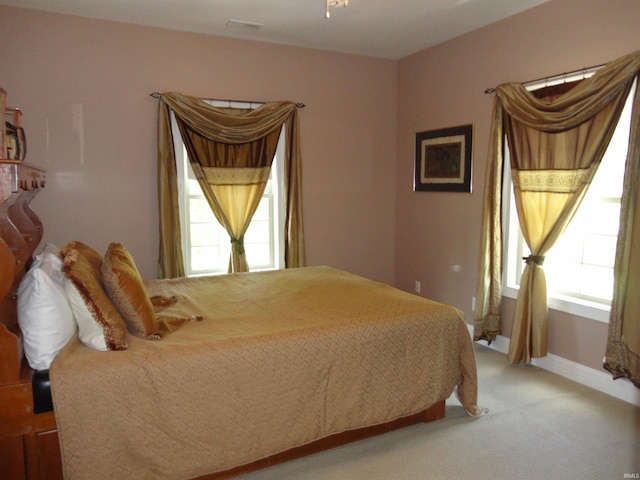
49,248
44,313
89,331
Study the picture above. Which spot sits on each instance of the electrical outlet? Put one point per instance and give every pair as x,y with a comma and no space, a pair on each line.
418,286
473,303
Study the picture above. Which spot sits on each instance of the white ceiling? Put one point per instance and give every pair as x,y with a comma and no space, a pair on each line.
379,28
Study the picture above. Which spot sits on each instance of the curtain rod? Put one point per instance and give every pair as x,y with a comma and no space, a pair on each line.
156,95
562,76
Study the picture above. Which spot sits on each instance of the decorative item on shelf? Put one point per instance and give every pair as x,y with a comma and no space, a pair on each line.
334,3
15,141
443,160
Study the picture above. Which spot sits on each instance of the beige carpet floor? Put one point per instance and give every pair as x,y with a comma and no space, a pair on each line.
539,426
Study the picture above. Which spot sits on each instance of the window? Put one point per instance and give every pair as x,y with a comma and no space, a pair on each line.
579,267
206,244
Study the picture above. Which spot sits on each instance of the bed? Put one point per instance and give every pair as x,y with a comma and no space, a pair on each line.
217,376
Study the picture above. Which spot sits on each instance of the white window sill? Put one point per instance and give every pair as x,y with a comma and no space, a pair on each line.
593,311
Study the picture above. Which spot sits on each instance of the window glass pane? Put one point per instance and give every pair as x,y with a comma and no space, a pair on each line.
600,216
597,282
199,211
581,262
203,234
193,187
610,184
263,210
562,277
206,243
205,258
599,250
567,249
258,232
260,255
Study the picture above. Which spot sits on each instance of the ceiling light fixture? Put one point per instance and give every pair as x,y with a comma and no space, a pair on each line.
334,3
244,24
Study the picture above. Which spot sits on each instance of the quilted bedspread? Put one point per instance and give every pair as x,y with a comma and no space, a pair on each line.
279,359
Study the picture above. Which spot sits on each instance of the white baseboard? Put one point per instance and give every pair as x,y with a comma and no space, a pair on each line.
598,380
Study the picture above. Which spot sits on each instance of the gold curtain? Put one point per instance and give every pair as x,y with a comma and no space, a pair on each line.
230,151
622,357
556,145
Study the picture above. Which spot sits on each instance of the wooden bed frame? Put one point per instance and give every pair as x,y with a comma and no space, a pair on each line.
28,441
29,446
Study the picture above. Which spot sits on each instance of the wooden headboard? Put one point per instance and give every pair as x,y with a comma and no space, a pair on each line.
20,235
28,440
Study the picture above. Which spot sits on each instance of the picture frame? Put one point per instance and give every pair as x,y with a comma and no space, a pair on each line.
443,160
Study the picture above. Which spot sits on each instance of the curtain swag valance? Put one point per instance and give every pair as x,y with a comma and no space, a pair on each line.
581,103
229,125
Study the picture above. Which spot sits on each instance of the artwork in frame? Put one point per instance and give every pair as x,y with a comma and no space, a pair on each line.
443,160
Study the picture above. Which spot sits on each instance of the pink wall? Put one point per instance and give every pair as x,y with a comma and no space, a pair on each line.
358,133
102,171
443,86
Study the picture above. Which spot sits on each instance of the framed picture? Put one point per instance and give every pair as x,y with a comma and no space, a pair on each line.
443,160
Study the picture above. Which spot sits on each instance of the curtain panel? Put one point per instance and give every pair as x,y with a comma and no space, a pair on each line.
230,151
622,356
556,146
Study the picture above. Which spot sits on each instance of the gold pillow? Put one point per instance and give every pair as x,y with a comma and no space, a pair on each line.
126,289
100,326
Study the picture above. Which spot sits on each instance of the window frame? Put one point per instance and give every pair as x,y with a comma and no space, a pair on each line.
514,246
274,194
